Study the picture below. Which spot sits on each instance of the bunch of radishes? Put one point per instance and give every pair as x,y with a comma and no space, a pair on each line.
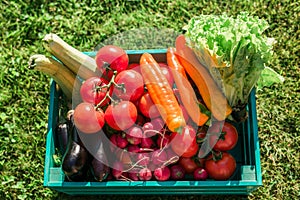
144,153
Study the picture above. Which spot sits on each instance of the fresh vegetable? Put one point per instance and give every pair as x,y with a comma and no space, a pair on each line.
121,140
162,173
94,90
134,135
200,174
61,133
121,116
211,94
184,144
188,164
163,140
62,75
177,172
147,107
117,169
268,77
99,164
87,119
145,174
123,156
159,157
111,58
132,85
78,62
222,136
220,166
147,142
186,91
100,171
76,159
234,50
153,127
161,93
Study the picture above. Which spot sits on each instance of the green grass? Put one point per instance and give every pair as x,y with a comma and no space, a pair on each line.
24,96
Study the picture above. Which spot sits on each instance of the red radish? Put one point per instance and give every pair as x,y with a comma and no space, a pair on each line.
152,128
145,174
134,135
177,172
133,175
121,141
200,174
133,140
159,157
147,142
162,173
162,140
133,148
113,140
117,169
135,131
143,159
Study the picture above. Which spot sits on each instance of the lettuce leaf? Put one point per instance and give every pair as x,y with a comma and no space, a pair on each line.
234,50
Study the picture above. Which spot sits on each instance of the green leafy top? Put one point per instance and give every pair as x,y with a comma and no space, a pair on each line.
234,50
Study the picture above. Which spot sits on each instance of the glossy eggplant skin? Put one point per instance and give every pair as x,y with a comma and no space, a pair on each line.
62,136
99,168
76,159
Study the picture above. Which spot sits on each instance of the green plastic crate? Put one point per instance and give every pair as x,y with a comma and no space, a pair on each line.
246,178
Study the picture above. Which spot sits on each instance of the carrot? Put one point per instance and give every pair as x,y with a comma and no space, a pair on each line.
161,93
212,95
186,91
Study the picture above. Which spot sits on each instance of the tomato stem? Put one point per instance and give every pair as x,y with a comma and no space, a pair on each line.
217,155
107,95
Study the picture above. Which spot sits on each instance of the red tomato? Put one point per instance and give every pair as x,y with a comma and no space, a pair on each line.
147,107
221,169
87,119
92,92
113,57
184,144
188,164
132,85
224,141
121,116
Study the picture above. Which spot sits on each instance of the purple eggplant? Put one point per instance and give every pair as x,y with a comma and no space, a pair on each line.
76,159
100,150
99,170
61,132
